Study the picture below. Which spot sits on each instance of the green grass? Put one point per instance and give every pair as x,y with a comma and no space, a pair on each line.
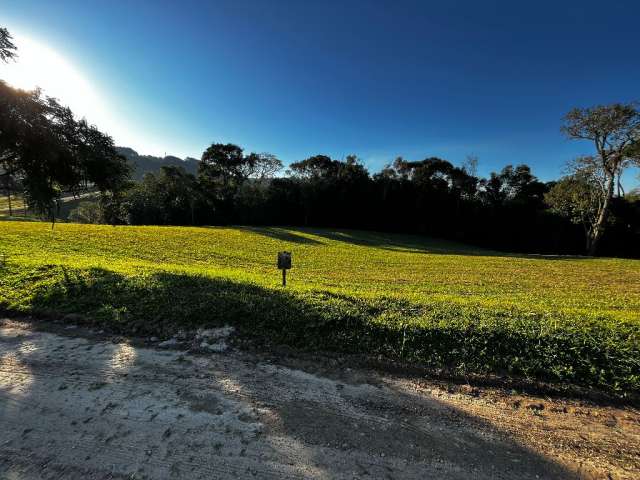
437,303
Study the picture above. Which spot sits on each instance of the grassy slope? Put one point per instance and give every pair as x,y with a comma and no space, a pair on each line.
442,304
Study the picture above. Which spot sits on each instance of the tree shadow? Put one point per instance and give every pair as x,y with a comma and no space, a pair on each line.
388,431
410,243
160,303
281,234
124,411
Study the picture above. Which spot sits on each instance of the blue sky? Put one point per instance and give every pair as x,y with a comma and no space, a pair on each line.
374,78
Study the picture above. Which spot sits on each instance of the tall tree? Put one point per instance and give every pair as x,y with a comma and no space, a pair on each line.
224,169
615,132
51,153
7,47
577,197
226,165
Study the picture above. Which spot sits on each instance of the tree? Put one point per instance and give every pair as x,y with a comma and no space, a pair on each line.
470,165
224,168
264,165
7,48
316,167
615,132
86,212
515,186
223,165
43,146
227,166
169,197
521,186
578,198
9,186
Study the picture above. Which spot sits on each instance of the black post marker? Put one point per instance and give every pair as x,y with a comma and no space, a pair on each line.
284,264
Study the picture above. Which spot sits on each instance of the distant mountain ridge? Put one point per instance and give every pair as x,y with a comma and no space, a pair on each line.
143,164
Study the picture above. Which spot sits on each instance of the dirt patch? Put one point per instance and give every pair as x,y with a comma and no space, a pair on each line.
85,407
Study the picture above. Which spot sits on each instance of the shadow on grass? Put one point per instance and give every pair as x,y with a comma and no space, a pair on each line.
282,234
587,352
396,242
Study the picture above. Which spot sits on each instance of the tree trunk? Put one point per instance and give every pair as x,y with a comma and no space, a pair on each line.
9,198
598,228
589,248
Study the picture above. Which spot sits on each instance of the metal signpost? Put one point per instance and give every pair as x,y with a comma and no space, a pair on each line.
284,264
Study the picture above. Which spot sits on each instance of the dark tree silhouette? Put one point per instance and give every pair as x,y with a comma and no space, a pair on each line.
51,153
7,47
505,211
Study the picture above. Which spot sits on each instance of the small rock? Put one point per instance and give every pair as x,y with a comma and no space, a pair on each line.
535,406
153,339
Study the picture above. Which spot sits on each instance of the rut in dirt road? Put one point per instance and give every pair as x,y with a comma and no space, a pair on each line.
86,409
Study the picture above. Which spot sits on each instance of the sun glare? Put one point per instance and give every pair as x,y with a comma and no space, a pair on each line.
38,65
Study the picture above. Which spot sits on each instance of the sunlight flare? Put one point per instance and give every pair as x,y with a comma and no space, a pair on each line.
39,66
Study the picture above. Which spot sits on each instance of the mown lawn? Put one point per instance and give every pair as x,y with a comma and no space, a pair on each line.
437,303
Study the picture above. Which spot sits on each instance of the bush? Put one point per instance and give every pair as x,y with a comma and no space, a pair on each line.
86,212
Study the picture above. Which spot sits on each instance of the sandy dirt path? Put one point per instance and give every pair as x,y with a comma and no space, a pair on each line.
74,406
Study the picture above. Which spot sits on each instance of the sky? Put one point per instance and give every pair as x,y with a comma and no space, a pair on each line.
378,79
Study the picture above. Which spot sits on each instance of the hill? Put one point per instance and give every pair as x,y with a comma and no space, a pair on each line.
441,304
143,164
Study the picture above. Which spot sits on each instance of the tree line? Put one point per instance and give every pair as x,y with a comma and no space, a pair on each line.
46,153
509,210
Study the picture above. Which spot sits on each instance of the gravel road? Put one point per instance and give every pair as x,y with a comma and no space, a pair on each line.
77,406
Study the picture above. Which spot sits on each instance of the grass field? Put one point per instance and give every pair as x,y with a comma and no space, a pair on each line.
437,303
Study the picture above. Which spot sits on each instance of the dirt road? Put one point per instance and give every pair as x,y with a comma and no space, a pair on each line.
78,406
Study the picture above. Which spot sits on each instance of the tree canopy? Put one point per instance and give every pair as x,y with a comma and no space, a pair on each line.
52,153
614,131
7,47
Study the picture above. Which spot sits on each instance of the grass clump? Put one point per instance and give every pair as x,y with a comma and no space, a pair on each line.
437,303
